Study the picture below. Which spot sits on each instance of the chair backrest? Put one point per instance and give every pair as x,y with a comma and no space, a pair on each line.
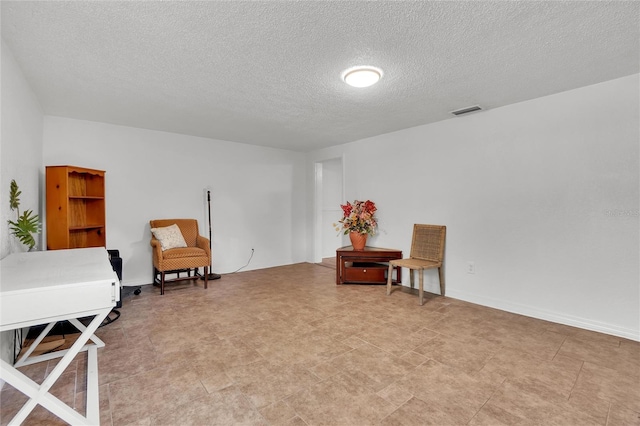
428,242
188,227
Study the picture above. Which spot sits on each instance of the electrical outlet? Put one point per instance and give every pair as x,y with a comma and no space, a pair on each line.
471,267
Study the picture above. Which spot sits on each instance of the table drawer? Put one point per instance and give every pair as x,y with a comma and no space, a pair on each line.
366,273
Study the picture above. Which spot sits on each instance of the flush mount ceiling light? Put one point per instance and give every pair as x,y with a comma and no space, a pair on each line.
362,76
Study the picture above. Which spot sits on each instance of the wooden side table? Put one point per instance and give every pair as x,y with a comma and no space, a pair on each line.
368,266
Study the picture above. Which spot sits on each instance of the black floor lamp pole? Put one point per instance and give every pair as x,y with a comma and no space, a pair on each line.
211,275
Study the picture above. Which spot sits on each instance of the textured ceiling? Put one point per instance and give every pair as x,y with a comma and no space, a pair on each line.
268,73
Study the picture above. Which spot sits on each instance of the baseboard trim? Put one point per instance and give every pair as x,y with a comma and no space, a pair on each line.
136,283
542,314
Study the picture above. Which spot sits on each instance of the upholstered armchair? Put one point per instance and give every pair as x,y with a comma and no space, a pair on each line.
178,247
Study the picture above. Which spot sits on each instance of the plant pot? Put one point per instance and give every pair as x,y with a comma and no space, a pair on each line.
358,240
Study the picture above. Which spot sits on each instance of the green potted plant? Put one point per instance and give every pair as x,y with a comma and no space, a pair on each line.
28,223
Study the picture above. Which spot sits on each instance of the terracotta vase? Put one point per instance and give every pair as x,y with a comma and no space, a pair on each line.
358,240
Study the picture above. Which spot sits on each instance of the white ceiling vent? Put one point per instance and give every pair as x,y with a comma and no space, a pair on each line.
467,110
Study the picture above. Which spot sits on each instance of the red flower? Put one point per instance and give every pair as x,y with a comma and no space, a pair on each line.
346,209
370,206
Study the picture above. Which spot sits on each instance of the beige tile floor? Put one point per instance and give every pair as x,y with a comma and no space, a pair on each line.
286,346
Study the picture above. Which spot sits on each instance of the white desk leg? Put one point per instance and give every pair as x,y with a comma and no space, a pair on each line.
34,345
30,388
77,324
27,359
93,397
40,394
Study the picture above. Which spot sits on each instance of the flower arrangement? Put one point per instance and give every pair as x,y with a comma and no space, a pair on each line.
358,217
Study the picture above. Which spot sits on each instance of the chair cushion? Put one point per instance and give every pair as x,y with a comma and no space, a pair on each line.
415,263
183,252
170,237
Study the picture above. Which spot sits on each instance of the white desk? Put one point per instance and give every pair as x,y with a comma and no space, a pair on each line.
44,288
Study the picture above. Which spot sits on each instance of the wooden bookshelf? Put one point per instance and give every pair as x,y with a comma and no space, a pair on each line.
75,208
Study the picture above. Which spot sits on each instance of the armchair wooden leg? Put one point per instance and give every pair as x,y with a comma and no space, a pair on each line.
441,276
161,283
206,276
389,278
421,289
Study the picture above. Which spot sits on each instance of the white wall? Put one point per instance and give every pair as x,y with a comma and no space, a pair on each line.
542,195
21,147
20,158
256,193
330,200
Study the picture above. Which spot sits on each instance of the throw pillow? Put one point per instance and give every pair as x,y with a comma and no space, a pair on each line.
169,237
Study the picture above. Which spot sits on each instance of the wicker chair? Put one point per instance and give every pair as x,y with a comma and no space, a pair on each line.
197,254
427,251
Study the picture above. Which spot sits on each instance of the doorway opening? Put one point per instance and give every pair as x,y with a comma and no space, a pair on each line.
329,194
